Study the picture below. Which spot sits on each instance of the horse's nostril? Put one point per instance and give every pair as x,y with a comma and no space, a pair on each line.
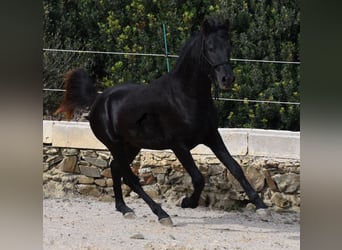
228,79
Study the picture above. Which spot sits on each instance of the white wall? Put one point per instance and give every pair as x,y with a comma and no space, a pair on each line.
255,142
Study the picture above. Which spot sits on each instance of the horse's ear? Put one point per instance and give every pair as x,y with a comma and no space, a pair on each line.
211,25
206,27
227,24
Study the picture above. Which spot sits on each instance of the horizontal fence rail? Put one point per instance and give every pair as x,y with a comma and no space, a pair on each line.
158,55
256,101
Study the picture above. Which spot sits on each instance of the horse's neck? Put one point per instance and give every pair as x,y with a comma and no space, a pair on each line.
196,84
192,74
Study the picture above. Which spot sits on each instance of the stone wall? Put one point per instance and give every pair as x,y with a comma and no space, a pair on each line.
69,171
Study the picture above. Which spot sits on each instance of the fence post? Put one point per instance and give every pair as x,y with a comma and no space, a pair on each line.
166,51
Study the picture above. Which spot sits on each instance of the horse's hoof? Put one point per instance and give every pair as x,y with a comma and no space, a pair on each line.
188,203
166,222
259,204
130,215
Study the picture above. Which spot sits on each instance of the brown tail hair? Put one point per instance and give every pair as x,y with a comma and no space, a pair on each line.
80,92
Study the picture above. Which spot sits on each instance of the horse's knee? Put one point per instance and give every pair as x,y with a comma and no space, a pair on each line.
115,168
131,180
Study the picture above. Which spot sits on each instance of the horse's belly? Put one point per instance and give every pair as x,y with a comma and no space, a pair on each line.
148,136
147,139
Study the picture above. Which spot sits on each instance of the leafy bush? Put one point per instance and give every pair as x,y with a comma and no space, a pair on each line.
267,30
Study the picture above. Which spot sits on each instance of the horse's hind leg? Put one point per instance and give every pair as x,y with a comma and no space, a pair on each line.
131,180
216,144
119,201
124,159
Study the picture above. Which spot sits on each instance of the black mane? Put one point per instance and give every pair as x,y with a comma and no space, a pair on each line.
190,50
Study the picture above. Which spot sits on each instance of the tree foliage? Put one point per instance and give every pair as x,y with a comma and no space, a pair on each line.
267,30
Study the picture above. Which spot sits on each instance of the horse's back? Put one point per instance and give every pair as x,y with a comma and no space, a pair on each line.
112,96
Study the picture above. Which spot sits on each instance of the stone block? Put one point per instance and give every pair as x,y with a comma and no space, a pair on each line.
201,150
47,131
106,173
68,164
153,191
159,170
96,162
45,167
52,151
90,171
52,160
255,177
74,135
70,152
224,202
106,198
100,182
282,144
287,183
212,160
90,190
270,183
69,178
160,178
109,182
235,140
104,155
280,201
88,153
223,186
85,180
215,170
109,191
148,179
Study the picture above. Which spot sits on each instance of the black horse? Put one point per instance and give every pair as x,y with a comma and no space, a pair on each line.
175,111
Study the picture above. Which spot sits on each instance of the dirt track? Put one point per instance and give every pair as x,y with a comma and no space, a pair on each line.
84,223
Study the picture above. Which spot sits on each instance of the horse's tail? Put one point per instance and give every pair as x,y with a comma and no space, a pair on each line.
80,92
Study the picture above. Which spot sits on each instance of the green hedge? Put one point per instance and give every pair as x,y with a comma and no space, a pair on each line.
267,30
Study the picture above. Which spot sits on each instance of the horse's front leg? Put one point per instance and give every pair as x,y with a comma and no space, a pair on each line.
215,143
188,163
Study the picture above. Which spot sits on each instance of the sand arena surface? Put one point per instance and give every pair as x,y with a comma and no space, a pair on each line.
85,223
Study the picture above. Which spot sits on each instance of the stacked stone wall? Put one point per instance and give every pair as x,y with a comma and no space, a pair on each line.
71,171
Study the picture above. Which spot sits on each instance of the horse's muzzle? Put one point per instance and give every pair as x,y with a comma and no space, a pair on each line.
226,82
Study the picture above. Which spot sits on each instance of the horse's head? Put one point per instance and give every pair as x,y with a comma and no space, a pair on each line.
216,50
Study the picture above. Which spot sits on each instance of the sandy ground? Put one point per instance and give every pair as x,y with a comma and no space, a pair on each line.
85,223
